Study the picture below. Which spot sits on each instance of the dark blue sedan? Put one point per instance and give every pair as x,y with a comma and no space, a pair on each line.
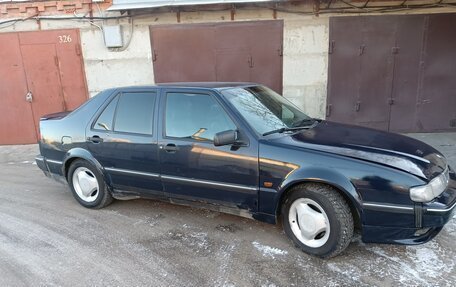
243,149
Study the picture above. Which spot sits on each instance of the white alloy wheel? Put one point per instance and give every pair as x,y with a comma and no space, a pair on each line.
309,222
85,184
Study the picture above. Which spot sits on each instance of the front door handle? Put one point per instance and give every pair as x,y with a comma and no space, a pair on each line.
171,148
95,139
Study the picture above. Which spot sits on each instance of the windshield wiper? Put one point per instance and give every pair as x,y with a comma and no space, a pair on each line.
282,130
306,122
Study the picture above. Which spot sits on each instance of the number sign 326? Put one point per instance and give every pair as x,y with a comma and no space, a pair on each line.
64,39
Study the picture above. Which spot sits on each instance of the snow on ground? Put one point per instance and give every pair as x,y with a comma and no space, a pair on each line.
269,251
46,238
429,264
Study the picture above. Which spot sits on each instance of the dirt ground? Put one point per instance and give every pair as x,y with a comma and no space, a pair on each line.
47,238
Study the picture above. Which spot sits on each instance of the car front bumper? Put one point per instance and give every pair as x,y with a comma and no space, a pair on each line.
413,224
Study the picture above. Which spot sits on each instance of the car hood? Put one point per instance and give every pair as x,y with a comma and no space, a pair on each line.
390,149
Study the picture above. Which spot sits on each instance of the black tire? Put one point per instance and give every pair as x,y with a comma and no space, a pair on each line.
103,196
337,211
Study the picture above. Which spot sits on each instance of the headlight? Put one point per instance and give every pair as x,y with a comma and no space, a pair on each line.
434,188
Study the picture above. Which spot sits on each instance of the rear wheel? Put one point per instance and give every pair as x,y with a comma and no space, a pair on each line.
87,185
317,219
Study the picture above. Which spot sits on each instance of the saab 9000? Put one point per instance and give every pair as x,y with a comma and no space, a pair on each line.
241,148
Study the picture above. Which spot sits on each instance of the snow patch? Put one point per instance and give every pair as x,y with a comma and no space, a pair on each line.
427,260
450,227
199,240
418,265
268,251
348,271
225,254
407,272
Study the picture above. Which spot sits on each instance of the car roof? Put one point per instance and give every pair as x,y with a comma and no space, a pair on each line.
203,85
209,85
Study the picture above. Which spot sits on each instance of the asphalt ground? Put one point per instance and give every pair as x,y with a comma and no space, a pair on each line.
48,239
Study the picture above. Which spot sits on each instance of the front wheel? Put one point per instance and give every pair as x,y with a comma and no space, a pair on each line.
317,219
87,185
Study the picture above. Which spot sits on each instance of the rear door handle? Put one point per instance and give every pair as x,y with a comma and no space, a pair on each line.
95,139
171,148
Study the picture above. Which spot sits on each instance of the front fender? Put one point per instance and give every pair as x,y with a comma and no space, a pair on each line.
321,175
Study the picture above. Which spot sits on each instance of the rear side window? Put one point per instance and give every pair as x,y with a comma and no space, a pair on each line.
134,113
128,112
105,120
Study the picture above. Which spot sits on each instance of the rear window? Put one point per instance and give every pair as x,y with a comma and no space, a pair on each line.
128,113
105,120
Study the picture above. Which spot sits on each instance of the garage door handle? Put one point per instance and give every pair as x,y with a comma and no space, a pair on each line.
171,148
357,106
29,97
95,139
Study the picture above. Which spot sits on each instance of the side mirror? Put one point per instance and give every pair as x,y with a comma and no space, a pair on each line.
225,138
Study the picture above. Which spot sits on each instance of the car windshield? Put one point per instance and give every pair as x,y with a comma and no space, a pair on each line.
265,110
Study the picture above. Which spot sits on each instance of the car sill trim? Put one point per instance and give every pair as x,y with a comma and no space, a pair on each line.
127,171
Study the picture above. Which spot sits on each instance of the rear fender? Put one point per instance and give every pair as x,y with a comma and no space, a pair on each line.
80,153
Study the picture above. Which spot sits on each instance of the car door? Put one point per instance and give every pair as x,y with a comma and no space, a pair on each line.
191,166
123,138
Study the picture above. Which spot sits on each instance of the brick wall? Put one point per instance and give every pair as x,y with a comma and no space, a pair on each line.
22,9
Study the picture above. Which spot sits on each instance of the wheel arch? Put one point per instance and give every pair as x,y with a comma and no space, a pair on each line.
80,153
333,179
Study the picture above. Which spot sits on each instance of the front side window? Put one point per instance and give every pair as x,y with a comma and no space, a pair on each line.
134,113
264,109
195,116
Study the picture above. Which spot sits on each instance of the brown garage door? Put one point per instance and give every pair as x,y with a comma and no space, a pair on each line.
393,72
244,51
40,73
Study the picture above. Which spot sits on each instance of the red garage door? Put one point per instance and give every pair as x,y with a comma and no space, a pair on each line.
224,52
40,73
393,72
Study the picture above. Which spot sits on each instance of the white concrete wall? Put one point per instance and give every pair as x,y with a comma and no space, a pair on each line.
106,68
305,63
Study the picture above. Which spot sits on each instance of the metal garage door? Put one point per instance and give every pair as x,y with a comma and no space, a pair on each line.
244,51
40,73
393,72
